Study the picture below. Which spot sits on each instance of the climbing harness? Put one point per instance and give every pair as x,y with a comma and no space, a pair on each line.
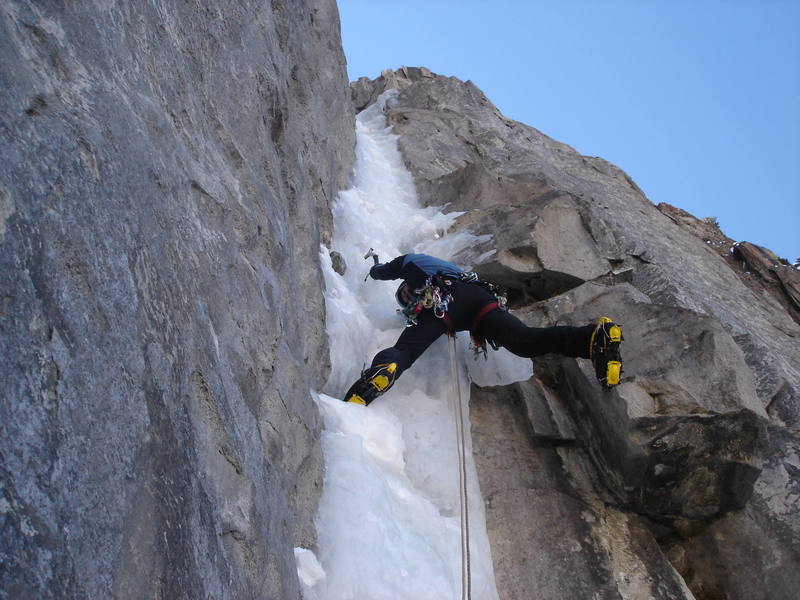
466,586
476,342
435,294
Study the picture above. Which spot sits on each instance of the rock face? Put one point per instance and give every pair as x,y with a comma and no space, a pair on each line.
694,455
759,268
164,186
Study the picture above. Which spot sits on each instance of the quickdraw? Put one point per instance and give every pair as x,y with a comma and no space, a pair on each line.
478,343
479,347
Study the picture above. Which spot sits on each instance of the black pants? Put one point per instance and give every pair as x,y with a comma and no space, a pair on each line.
500,326
508,331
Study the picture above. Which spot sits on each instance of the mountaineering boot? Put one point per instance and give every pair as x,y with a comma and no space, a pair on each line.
373,382
604,352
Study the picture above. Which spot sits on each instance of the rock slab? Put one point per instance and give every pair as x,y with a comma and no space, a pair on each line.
164,186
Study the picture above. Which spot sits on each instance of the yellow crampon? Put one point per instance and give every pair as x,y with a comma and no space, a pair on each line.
613,372
373,382
382,381
604,352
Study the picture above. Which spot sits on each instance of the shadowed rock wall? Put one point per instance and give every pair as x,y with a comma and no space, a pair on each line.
694,455
164,185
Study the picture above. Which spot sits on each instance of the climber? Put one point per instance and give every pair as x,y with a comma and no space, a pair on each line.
438,297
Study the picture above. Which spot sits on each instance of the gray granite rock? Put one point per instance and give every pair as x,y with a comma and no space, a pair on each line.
338,262
680,439
164,186
549,539
755,552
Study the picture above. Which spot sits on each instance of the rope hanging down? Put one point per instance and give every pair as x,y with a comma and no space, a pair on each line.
466,591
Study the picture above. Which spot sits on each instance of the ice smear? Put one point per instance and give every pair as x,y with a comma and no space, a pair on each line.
388,520
308,567
499,368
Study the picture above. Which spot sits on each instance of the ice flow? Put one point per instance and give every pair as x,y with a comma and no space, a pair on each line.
388,519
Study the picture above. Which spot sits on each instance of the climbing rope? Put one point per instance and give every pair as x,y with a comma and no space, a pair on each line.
466,591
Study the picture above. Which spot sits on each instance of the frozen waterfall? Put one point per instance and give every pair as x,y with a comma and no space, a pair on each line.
388,520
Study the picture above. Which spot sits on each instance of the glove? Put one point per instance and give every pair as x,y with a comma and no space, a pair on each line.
373,272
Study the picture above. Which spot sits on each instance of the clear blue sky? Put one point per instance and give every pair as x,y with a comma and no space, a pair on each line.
698,101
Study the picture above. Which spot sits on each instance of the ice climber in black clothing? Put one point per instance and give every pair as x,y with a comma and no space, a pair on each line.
438,297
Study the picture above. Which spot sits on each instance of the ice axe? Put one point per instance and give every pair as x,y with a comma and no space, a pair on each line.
371,252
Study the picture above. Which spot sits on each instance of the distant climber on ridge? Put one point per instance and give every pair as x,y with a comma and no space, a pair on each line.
438,297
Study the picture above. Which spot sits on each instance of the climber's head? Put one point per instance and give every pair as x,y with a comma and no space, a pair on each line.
406,297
